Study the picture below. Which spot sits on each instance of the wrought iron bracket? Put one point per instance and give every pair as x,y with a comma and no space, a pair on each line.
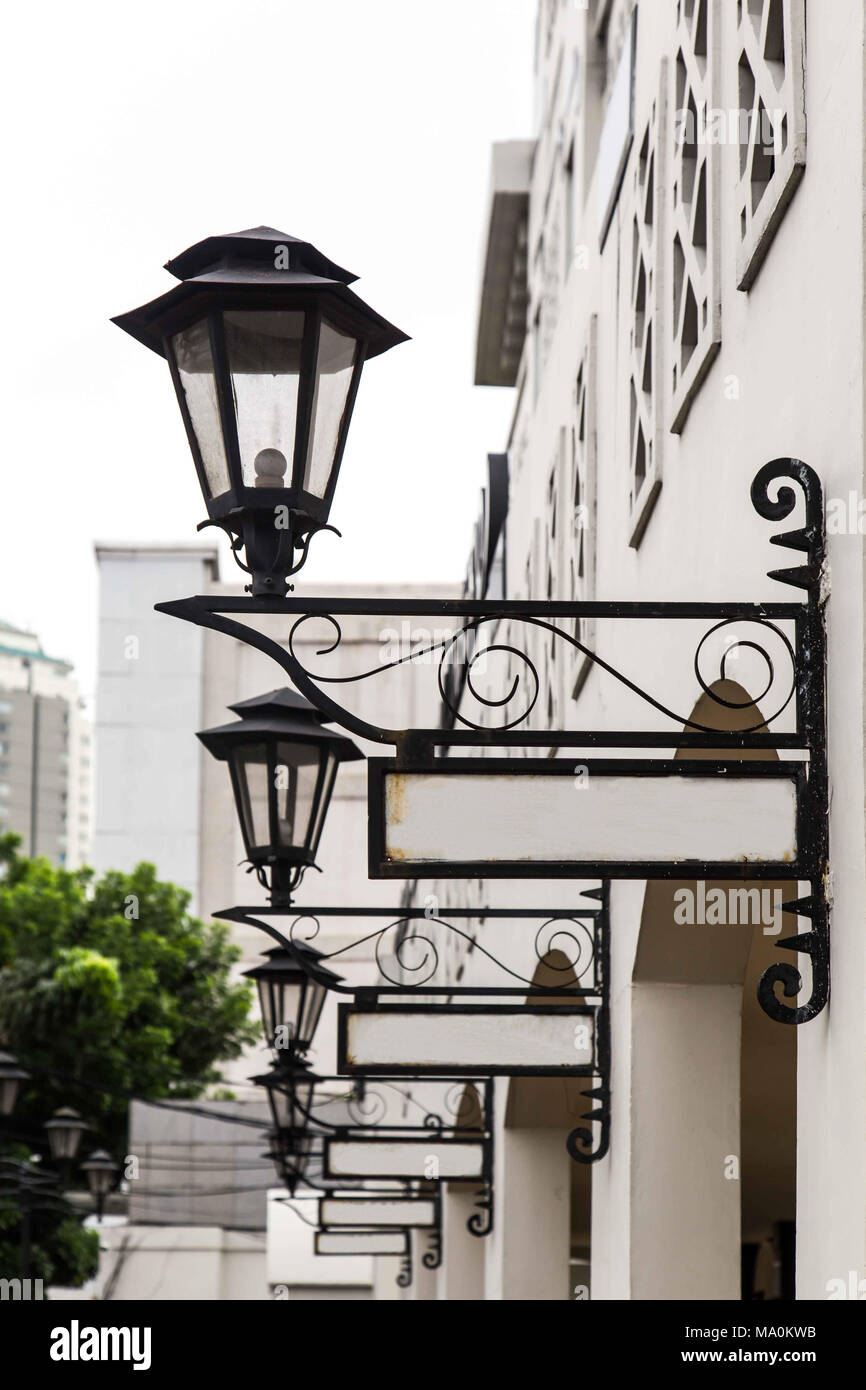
585,930
476,631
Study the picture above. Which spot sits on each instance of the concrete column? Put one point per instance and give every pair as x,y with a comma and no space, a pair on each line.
528,1256
685,1107
385,1271
461,1276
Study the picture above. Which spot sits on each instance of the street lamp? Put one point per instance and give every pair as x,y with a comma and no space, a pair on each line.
11,1076
265,343
290,1093
101,1171
292,984
283,764
290,1157
65,1129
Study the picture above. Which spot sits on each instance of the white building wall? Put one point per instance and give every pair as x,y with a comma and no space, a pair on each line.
784,377
149,703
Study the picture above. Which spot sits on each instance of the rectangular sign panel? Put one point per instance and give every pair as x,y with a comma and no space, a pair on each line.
614,818
402,1212
428,1158
362,1243
501,1040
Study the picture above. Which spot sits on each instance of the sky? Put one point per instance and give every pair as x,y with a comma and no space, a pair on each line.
363,126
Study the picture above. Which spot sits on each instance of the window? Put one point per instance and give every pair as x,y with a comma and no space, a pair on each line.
580,526
645,258
536,354
570,213
695,293
771,48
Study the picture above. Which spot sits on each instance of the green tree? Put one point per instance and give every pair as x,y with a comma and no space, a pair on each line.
111,983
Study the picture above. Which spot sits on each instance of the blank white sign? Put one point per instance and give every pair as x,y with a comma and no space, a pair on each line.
404,1158
477,818
521,1041
361,1243
376,1211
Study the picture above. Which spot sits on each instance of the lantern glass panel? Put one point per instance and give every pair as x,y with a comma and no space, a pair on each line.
324,800
312,1010
251,770
9,1088
279,1004
194,361
334,368
64,1139
281,1107
299,1151
303,1103
100,1177
264,357
296,778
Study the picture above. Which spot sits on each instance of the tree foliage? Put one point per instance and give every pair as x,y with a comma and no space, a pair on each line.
111,986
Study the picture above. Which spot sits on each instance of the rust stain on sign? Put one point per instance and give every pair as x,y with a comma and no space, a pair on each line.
395,808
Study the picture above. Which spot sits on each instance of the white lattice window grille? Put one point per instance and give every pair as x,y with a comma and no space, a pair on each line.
613,21
694,234
647,341
550,8
553,562
581,491
771,44
548,279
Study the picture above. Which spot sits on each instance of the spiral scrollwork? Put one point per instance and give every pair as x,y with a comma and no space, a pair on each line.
480,1223
475,663
762,636
402,950
299,938
432,1257
369,1109
570,938
404,1278
588,1145
734,648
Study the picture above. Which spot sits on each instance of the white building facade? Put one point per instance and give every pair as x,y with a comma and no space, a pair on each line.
673,287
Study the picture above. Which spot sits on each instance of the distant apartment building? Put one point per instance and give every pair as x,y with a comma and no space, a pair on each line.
45,752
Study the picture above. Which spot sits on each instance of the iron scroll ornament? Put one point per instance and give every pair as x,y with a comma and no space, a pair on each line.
587,1143
811,698
799,665
450,1123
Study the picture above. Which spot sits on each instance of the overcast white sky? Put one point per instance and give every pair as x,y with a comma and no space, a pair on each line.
131,132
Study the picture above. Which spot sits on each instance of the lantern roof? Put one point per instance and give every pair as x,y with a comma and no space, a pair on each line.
216,271
277,703
298,956
99,1159
256,244
10,1069
66,1118
281,714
